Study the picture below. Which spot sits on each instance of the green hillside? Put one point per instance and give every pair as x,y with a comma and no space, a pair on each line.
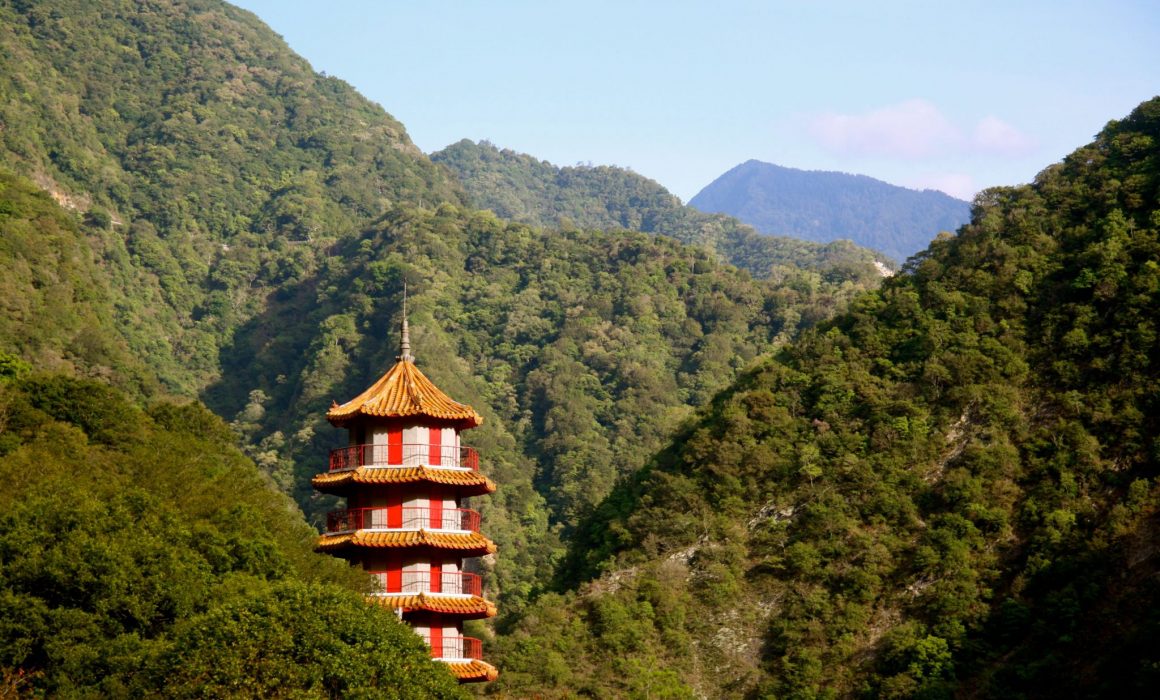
519,187
62,289
221,163
950,490
217,166
136,546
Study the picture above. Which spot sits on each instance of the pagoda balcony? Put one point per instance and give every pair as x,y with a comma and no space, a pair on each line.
415,582
405,455
456,648
403,518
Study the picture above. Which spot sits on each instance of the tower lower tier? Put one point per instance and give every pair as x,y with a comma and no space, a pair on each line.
444,636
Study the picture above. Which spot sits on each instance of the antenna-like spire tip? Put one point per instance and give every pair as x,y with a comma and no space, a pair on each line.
405,343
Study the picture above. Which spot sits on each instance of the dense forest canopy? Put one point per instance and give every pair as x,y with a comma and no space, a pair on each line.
135,546
60,297
949,490
216,160
827,206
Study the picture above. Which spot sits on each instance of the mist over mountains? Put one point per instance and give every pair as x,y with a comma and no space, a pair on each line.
827,206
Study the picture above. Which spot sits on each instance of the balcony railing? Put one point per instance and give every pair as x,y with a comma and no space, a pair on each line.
456,583
405,455
457,648
402,518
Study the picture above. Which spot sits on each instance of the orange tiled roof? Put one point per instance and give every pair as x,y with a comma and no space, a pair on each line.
471,608
473,671
474,483
404,391
464,542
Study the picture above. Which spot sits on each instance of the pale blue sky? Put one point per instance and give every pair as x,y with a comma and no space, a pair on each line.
955,96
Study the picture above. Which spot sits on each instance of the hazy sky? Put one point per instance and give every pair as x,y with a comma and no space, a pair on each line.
953,95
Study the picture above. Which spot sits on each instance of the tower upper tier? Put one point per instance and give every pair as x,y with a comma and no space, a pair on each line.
404,392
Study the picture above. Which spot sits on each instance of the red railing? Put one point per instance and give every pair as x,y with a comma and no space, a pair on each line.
420,582
406,455
457,648
402,518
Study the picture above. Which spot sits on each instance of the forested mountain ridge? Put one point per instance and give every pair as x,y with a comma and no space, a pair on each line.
826,206
522,188
220,162
950,490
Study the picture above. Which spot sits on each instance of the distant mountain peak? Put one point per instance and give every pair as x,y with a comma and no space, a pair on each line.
824,206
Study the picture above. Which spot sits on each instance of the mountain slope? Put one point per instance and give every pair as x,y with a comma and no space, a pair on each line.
221,162
59,297
950,490
521,188
827,206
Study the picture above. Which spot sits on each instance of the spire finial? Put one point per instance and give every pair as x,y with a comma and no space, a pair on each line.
405,345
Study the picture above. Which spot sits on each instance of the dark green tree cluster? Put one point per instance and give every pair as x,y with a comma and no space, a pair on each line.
141,554
825,206
949,490
522,188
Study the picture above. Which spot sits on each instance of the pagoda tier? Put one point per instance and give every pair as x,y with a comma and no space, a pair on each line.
344,480
466,545
474,671
406,478
404,392
469,607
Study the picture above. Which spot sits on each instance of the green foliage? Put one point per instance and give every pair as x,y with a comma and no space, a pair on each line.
12,366
343,648
58,300
949,489
521,188
196,212
140,553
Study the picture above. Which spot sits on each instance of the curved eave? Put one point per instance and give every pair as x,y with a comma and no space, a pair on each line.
404,392
470,483
468,544
468,608
474,671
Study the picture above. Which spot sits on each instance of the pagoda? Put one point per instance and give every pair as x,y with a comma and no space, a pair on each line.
406,478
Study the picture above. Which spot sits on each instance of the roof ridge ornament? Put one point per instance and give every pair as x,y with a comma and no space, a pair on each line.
405,344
